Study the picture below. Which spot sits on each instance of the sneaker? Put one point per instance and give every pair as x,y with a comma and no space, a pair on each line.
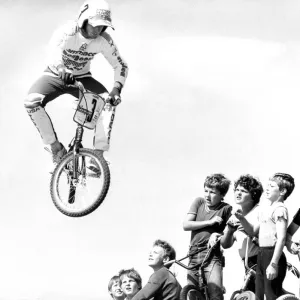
93,165
56,157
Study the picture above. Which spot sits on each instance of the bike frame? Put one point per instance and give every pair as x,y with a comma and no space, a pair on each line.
76,144
201,265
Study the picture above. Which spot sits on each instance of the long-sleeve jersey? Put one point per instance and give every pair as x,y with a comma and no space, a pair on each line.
68,47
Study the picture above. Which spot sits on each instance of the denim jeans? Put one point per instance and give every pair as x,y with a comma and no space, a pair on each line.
271,288
213,272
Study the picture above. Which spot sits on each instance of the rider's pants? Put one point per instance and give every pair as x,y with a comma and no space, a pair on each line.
271,288
47,88
213,273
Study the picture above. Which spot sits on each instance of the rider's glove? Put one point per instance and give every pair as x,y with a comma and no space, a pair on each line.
65,76
114,96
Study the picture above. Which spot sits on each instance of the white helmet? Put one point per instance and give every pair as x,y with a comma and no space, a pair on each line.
96,12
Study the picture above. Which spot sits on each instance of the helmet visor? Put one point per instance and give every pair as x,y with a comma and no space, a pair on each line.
102,18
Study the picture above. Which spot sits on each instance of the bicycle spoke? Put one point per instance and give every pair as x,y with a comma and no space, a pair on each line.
75,193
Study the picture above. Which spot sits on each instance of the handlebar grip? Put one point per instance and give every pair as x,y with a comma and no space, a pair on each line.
169,262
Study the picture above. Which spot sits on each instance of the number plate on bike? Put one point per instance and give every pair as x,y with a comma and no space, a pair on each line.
89,108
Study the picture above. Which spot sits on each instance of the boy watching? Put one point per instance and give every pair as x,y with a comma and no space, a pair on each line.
162,284
114,288
272,227
131,282
208,215
247,193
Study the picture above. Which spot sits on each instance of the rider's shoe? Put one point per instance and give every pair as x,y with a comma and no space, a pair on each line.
93,167
57,155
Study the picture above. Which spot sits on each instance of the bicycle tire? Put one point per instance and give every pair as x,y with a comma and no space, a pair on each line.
288,297
64,171
246,295
235,294
186,291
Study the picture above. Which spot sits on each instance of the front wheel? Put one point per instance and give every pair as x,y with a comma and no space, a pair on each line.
191,292
80,183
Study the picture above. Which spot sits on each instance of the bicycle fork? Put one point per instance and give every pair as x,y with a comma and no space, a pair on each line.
75,173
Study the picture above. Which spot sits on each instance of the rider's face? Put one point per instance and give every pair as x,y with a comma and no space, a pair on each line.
212,196
242,195
92,32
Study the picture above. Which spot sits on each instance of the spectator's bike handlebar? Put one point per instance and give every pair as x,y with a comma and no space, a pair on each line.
190,254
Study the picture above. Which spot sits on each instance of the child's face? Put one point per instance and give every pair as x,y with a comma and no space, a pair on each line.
242,196
156,257
212,196
129,286
272,191
116,290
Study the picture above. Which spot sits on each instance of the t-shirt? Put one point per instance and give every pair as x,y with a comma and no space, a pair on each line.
68,47
241,236
268,216
296,218
162,285
199,208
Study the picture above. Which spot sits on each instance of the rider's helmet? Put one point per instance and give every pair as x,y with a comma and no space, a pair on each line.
96,13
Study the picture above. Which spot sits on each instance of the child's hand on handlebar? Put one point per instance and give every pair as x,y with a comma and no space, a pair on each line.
213,239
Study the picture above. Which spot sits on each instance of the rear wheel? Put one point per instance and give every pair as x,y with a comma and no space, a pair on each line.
191,292
80,183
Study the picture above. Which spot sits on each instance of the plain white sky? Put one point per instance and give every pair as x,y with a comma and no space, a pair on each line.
213,86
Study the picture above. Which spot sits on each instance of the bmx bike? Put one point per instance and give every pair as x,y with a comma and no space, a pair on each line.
80,181
244,294
191,291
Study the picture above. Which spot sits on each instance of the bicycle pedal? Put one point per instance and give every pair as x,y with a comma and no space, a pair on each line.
95,172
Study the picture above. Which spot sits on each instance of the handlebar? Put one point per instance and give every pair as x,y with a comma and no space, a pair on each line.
178,261
80,86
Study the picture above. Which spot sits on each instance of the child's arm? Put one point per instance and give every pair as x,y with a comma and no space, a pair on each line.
190,224
250,228
281,227
228,239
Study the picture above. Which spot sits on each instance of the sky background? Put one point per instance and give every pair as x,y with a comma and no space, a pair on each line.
213,86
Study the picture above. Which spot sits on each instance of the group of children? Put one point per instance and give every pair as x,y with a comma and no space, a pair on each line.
212,222
211,219
161,285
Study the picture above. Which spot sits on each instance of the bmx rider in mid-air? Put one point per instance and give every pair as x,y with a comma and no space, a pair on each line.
72,48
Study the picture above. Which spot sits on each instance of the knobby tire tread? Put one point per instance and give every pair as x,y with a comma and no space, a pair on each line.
105,186
288,297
